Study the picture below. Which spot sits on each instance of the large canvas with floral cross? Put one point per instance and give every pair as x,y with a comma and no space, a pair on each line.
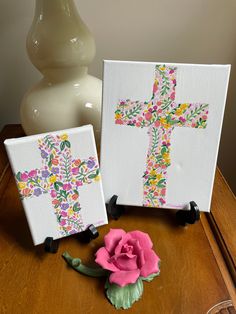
58,178
161,131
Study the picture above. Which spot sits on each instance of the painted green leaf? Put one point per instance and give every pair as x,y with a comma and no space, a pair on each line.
56,186
63,194
124,297
92,176
67,143
18,176
62,146
76,192
76,207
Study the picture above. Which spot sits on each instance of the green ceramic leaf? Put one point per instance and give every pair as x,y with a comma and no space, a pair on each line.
150,277
124,297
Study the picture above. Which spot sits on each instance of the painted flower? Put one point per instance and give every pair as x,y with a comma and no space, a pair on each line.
53,179
21,185
75,196
128,256
24,177
67,186
119,121
97,178
44,154
75,170
53,193
37,192
172,96
64,206
55,161
26,192
64,137
55,170
148,115
77,162
45,173
90,163
79,183
33,173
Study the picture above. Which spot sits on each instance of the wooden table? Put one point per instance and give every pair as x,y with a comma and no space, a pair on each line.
194,275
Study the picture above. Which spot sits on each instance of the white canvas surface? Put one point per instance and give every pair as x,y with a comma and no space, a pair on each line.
25,155
193,151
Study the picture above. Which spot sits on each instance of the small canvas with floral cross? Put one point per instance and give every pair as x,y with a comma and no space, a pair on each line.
161,130
59,182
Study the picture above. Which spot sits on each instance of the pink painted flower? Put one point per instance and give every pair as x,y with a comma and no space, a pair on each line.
128,256
182,119
157,123
140,119
193,125
26,192
138,124
162,201
172,96
171,71
204,117
79,183
63,213
67,186
75,170
174,81
159,103
119,121
159,110
33,173
53,193
24,177
148,115
163,191
63,222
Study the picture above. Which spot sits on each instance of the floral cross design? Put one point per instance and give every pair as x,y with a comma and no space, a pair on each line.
61,177
161,115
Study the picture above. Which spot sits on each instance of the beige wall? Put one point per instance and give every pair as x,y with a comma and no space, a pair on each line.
192,31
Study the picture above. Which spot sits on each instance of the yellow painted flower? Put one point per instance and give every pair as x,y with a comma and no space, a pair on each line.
183,106
163,120
166,157
153,182
97,178
53,179
118,116
70,212
159,176
178,112
21,185
162,68
153,172
64,137
167,125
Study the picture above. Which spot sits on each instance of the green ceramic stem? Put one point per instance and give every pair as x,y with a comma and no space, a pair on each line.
77,265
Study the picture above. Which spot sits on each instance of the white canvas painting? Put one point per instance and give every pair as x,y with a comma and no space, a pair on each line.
59,182
161,127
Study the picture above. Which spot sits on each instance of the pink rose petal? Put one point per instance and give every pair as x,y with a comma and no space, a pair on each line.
125,238
123,278
125,261
102,258
151,263
112,239
143,238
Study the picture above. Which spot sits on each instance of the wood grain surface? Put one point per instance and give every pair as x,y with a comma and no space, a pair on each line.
35,282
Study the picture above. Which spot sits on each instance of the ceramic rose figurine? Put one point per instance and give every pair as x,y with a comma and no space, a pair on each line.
127,259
